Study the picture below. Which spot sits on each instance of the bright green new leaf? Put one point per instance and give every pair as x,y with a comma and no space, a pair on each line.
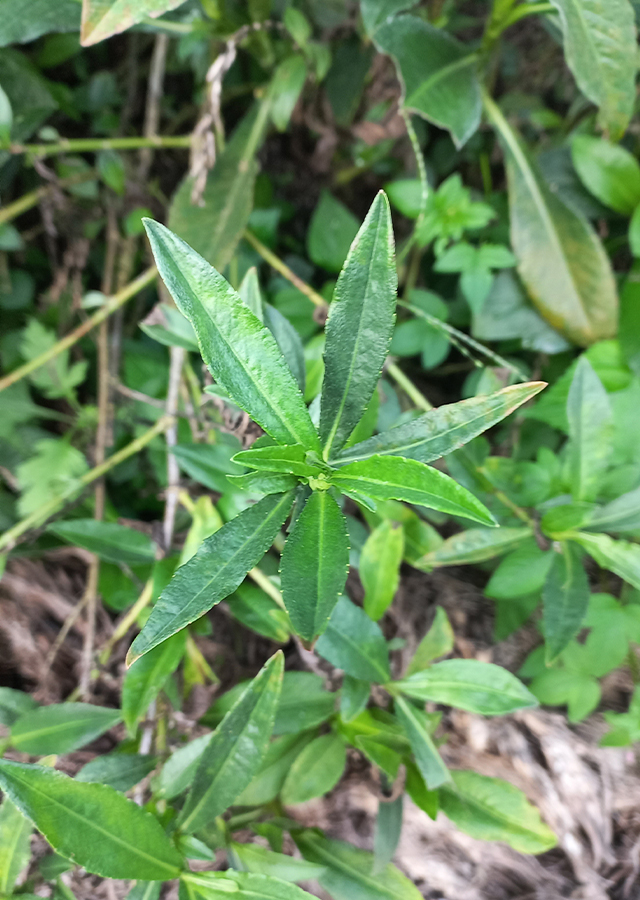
145,678
14,704
349,875
621,557
355,644
468,684
600,47
493,810
121,771
428,760
474,545
565,598
61,727
395,478
216,570
316,771
438,74
15,845
287,460
591,431
444,429
285,89
438,641
108,540
240,352
103,18
91,824
234,754
521,572
242,885
379,568
610,172
314,564
359,328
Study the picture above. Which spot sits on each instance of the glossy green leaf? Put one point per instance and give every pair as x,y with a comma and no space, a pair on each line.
428,760
268,780
146,677
241,353
622,514
395,478
103,18
444,429
208,464
243,886
91,824
520,573
386,835
216,570
264,482
379,568
316,770
14,704
15,845
234,753
121,771
438,641
609,171
565,598
61,727
287,460
261,861
25,20
259,612
285,89
493,810
590,431
561,260
599,45
354,697
438,74
348,874
331,231
108,540
355,644
314,565
474,545
621,557
359,327
468,684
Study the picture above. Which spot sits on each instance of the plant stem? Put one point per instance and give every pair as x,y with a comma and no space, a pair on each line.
409,387
112,304
528,9
276,263
258,576
127,621
88,145
31,199
10,538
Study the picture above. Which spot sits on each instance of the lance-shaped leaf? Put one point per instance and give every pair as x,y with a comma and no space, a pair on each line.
314,565
610,172
91,824
621,557
15,847
438,74
565,598
240,352
428,760
287,460
359,327
119,770
355,644
242,885
471,685
394,478
590,431
103,18
234,754
316,771
474,545
61,727
217,569
146,677
600,47
622,514
561,260
108,540
445,429
379,568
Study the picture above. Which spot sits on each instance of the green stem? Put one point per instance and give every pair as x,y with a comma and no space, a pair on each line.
28,201
112,304
10,538
87,145
177,28
529,9
409,387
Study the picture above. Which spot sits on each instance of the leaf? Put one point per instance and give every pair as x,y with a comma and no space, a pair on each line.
444,429
354,697
14,704
267,782
348,874
468,684
285,89
91,824
145,890
622,514
261,861
264,482
288,340
428,760
395,478
119,770
379,568
359,328
58,377
25,20
314,565
590,431
599,45
580,692
108,540
61,727
146,677
375,12
438,641
259,612
565,598
355,644
521,572
240,352
243,886
438,74
15,845
236,750
316,771
166,325
54,468
208,464
331,232
474,545
216,570
386,836
609,171
103,18
287,459
620,557
179,770
560,258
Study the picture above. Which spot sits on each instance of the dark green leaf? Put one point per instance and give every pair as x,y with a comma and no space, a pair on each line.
108,540
61,727
121,771
268,781
331,231
14,704
288,340
287,460
521,572
316,770
285,89
355,644
375,12
354,697
379,568
264,482
428,760
590,431
208,464
609,171
146,677
25,20
565,598
258,611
